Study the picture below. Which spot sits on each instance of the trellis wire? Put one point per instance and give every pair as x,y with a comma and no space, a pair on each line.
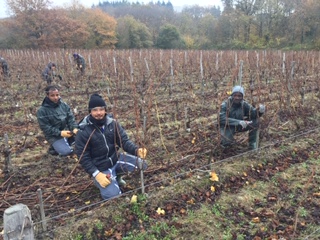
176,176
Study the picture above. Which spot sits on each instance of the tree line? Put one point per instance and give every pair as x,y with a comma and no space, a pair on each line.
242,24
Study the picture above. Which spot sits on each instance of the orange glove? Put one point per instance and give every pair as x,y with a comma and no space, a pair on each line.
142,152
66,134
75,131
103,179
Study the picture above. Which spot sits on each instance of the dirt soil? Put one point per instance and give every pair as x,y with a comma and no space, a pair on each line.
284,211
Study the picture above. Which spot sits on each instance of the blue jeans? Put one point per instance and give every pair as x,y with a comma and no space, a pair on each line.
62,147
125,164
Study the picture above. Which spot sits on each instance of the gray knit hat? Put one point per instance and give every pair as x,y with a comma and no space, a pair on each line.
238,89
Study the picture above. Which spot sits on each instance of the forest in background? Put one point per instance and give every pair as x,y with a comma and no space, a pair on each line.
242,24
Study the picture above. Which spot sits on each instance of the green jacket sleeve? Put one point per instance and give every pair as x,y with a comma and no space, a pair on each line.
250,111
45,124
71,122
224,116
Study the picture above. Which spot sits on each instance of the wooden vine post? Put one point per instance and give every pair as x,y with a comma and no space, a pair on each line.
89,60
131,69
141,176
240,73
203,85
289,84
7,156
217,61
43,216
284,63
115,65
172,78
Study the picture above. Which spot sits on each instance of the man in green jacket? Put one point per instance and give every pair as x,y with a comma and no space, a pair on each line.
237,115
57,122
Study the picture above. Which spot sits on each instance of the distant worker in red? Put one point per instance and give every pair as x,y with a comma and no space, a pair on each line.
237,115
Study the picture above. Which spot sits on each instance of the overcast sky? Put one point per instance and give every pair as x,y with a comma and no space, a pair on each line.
88,3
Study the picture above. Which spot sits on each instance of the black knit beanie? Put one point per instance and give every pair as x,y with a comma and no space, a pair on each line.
96,101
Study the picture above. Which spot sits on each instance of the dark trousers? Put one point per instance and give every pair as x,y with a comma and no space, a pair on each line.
5,69
227,132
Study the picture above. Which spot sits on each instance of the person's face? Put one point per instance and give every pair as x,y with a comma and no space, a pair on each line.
54,96
237,97
98,112
53,68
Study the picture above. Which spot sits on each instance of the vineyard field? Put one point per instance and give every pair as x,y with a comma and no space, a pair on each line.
168,101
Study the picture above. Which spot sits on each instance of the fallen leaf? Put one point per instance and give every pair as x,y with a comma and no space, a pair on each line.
182,211
316,194
87,202
71,210
108,233
160,211
191,201
256,220
213,189
169,207
272,199
268,213
118,235
214,177
134,199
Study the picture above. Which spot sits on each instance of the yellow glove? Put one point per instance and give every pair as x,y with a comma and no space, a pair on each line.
75,131
103,179
142,152
66,134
